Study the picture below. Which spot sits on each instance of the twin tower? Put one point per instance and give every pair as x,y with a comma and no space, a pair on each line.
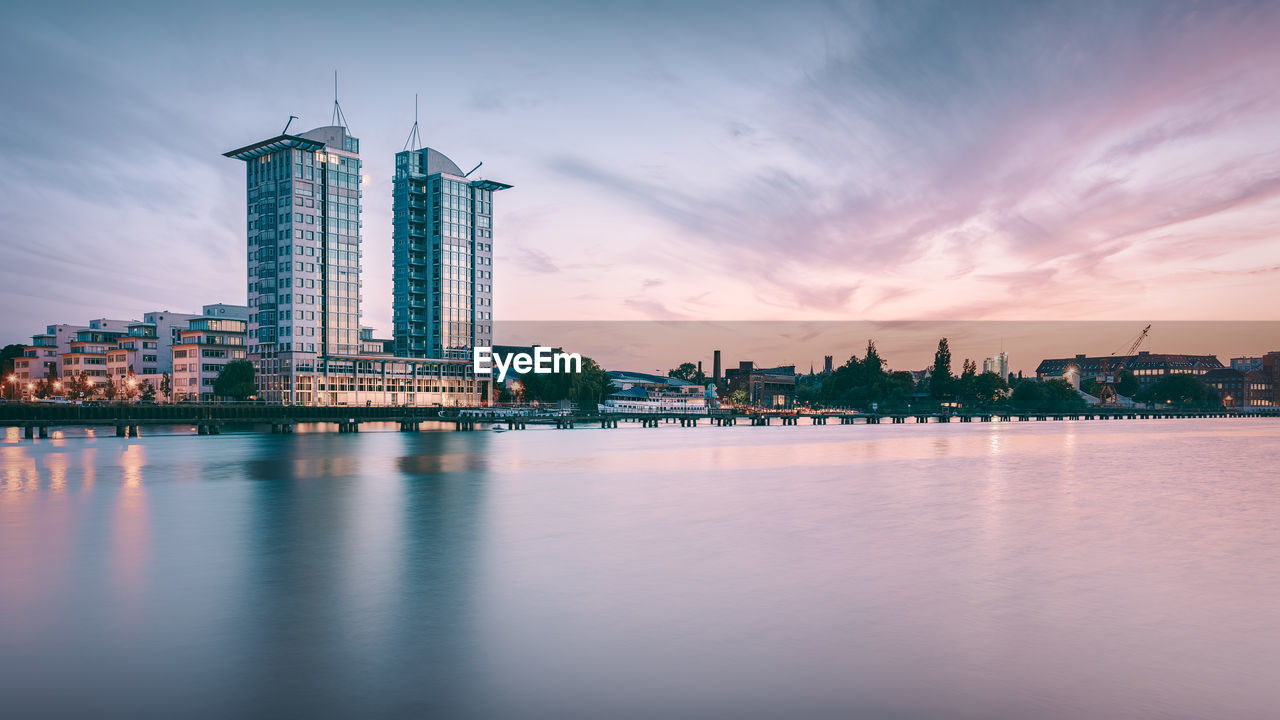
303,230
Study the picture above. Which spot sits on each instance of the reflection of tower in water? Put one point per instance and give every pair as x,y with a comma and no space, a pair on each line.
361,582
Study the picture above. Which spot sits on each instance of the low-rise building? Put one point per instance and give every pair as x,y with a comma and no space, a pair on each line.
1245,364
370,345
201,352
1241,389
1146,367
88,354
766,387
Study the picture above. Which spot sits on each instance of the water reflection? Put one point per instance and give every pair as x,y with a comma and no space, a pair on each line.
129,535
983,570
362,565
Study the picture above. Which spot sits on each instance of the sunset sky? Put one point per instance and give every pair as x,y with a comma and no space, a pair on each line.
672,160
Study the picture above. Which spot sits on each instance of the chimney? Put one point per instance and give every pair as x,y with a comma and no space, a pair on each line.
699,367
715,369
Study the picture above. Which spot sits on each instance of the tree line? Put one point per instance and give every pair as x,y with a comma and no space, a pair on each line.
868,382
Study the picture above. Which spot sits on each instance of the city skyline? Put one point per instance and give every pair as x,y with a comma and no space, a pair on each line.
874,161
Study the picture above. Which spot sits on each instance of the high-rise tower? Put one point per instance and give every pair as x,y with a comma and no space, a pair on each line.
443,255
304,257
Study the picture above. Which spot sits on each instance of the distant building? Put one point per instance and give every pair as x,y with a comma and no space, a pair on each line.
1242,389
998,364
370,345
1147,367
828,364
767,387
1245,364
635,392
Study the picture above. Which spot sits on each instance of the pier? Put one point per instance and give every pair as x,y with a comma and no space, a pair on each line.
38,420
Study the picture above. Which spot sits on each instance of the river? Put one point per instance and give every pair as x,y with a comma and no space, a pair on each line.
1093,569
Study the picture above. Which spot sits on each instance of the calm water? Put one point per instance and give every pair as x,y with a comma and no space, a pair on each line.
1038,570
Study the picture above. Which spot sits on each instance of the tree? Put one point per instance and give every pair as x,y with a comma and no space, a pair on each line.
1048,396
1181,390
586,389
79,385
1127,383
964,386
809,389
738,397
166,387
147,392
688,371
235,380
7,354
940,380
866,383
130,386
109,392
989,389
45,387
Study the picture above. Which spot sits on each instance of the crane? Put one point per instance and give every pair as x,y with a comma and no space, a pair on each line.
1109,374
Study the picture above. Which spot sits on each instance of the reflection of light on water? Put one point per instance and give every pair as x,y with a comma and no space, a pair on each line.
90,433
12,434
57,464
129,529
132,460
19,471
90,459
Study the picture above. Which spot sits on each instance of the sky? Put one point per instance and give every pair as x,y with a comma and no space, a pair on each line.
671,160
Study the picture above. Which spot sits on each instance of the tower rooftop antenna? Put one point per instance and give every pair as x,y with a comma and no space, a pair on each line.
338,117
415,141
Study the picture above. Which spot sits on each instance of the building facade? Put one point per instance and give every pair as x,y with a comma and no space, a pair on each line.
442,244
1146,367
202,351
1242,389
765,387
303,243
1245,364
998,364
